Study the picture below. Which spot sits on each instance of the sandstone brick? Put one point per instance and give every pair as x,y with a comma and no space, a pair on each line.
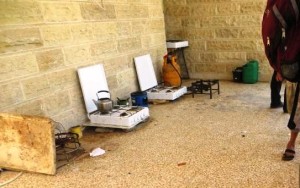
228,9
219,68
92,11
112,81
260,56
205,9
154,2
200,68
260,45
134,1
252,7
191,23
177,11
216,21
71,117
198,34
132,55
205,1
171,22
191,69
231,45
63,79
55,35
10,93
175,34
50,60
20,12
156,26
60,12
139,27
156,11
124,92
116,1
28,108
158,39
82,32
57,103
168,3
216,68
246,20
77,54
14,66
105,30
127,11
105,48
114,65
197,45
227,33
125,77
250,32
17,39
35,86
265,68
146,41
129,44
231,57
232,66
124,29
76,98
208,57
153,40
192,56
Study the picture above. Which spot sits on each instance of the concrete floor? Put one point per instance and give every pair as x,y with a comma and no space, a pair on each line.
232,140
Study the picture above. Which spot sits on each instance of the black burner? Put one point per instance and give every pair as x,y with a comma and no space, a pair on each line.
124,114
204,87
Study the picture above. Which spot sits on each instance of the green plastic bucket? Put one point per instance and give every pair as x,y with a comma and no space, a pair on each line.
250,72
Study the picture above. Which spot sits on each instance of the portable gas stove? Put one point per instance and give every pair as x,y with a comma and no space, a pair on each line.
92,79
166,93
148,82
124,117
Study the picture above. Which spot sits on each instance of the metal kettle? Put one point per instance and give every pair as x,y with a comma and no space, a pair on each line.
104,105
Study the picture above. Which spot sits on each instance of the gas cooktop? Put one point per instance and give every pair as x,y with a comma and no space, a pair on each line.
148,82
166,93
124,117
92,79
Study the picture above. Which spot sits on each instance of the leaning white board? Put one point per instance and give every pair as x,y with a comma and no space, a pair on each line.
92,79
145,72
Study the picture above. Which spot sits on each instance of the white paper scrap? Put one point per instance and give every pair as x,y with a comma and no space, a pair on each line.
97,152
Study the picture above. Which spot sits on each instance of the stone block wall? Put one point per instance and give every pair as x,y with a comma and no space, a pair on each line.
222,35
43,42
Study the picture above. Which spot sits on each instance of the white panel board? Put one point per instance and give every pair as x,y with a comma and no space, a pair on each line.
145,71
92,79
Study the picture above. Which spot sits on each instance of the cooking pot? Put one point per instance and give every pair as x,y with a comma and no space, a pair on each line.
123,101
104,105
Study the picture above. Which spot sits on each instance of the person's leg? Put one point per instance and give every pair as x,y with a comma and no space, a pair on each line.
291,143
285,102
289,153
275,92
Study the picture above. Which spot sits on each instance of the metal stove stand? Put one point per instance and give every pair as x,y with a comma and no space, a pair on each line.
205,87
68,147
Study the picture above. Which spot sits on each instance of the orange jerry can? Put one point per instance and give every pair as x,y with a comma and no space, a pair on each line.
171,71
